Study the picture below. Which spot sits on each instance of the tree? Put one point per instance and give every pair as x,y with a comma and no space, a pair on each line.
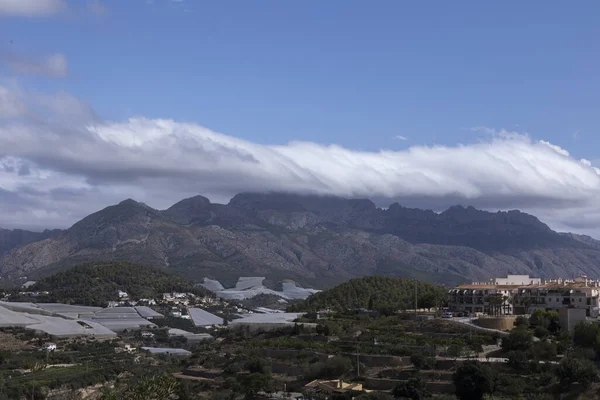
545,319
455,350
544,350
586,335
518,360
496,301
420,361
254,383
413,389
156,388
519,339
258,365
572,370
521,321
473,380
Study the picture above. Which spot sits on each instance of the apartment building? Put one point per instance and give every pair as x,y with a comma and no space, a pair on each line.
520,294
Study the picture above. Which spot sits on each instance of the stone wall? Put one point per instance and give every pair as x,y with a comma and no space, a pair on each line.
504,323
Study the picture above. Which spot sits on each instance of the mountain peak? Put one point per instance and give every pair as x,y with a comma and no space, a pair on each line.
192,210
195,202
128,202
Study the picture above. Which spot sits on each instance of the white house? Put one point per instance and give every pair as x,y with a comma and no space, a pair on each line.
49,346
122,294
147,334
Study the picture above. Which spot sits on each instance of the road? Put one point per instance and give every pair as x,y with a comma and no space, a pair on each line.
469,321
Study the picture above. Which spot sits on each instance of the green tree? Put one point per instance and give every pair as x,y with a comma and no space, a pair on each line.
518,360
258,365
156,388
413,389
521,321
544,350
571,370
473,380
420,361
586,334
455,350
254,383
519,339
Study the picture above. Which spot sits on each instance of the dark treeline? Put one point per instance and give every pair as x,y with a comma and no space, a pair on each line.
375,293
97,283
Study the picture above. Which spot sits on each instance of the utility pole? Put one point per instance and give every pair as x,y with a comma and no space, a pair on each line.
357,361
416,302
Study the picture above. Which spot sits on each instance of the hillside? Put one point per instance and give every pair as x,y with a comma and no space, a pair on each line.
97,283
10,239
315,241
375,293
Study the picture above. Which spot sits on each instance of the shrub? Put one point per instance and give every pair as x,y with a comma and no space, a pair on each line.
473,380
519,339
413,389
572,370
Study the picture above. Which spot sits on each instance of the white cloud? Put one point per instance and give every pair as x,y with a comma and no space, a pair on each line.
72,165
11,106
16,103
556,148
400,137
31,8
53,65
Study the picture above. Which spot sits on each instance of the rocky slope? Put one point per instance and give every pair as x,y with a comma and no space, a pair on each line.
317,241
10,239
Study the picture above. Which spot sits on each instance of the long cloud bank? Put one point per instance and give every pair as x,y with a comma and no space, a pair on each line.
59,162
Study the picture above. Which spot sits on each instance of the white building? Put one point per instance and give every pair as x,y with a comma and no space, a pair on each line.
122,294
49,346
520,294
517,280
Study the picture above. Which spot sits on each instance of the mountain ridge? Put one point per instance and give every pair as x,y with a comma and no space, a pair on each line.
315,240
12,238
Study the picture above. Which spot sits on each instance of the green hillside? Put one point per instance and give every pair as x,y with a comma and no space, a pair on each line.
376,293
97,283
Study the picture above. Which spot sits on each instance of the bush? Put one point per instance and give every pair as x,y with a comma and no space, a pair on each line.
519,339
413,389
541,332
544,350
521,321
571,370
419,361
473,380
455,350
586,334
518,360
511,385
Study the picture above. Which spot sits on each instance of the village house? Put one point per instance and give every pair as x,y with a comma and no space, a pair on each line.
49,346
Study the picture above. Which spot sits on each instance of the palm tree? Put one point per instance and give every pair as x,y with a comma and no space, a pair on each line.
155,388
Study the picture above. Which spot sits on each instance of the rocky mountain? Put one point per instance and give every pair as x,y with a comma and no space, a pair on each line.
317,241
10,239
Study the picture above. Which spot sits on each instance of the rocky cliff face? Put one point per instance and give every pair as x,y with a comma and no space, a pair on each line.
318,241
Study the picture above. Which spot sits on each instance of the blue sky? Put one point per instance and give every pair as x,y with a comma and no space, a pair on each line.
354,73
492,104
